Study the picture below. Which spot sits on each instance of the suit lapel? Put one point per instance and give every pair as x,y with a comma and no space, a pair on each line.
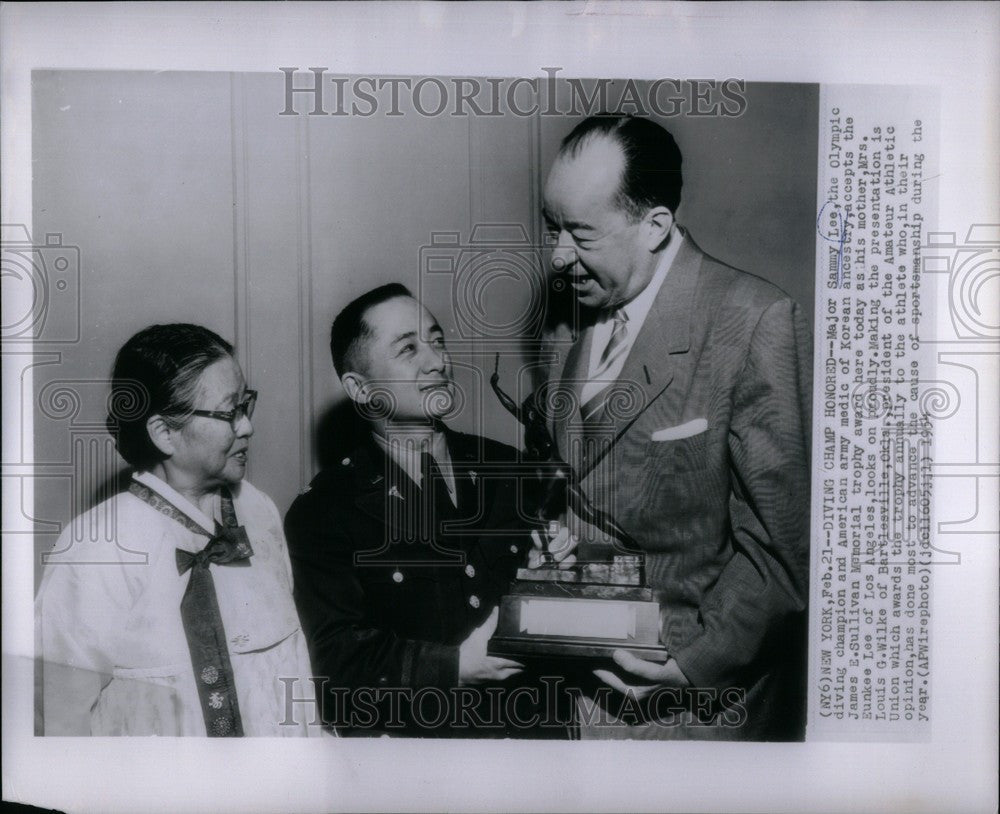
665,333
385,493
463,459
465,452
570,386
649,368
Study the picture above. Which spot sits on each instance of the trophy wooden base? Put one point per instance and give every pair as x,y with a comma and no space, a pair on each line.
557,613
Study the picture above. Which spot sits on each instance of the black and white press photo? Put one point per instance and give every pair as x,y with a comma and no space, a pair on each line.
545,406
656,546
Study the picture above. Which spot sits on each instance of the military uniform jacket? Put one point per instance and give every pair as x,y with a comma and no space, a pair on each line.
389,580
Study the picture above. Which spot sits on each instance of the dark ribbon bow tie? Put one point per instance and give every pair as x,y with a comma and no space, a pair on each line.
230,546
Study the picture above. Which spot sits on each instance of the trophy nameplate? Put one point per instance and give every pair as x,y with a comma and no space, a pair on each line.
551,612
588,609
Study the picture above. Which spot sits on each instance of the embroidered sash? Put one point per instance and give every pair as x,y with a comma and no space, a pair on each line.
206,636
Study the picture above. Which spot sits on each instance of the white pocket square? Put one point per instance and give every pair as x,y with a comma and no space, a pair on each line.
685,430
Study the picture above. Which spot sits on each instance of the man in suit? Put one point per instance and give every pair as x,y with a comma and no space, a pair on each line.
401,551
693,429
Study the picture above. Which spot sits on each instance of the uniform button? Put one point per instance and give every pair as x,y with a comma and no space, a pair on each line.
397,576
470,570
474,601
513,549
345,462
383,680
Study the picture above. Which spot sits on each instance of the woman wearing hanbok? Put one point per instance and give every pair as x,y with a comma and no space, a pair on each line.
169,610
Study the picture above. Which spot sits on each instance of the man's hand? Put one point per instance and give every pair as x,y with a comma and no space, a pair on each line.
560,547
649,676
474,666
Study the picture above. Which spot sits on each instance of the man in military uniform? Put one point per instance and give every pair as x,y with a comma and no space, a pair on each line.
400,552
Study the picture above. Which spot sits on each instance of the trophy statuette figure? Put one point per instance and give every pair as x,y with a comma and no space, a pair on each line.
588,609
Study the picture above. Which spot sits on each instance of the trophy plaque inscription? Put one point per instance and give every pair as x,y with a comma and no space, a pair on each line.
585,610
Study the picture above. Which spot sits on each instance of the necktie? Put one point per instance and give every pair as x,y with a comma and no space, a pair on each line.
434,484
612,352
203,628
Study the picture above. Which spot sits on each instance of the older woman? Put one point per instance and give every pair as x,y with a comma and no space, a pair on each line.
184,623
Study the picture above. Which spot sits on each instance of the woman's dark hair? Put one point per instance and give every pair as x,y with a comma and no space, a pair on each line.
156,373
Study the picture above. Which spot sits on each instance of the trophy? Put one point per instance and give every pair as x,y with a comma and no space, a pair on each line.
585,610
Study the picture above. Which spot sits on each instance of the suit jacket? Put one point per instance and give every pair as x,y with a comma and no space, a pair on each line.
721,513
387,594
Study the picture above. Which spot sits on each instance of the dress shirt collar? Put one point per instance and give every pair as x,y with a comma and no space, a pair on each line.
406,447
636,312
640,305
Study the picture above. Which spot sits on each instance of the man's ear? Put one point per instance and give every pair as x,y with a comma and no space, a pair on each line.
354,384
160,434
659,220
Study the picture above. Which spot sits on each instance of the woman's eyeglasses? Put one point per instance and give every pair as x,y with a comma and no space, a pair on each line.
244,408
